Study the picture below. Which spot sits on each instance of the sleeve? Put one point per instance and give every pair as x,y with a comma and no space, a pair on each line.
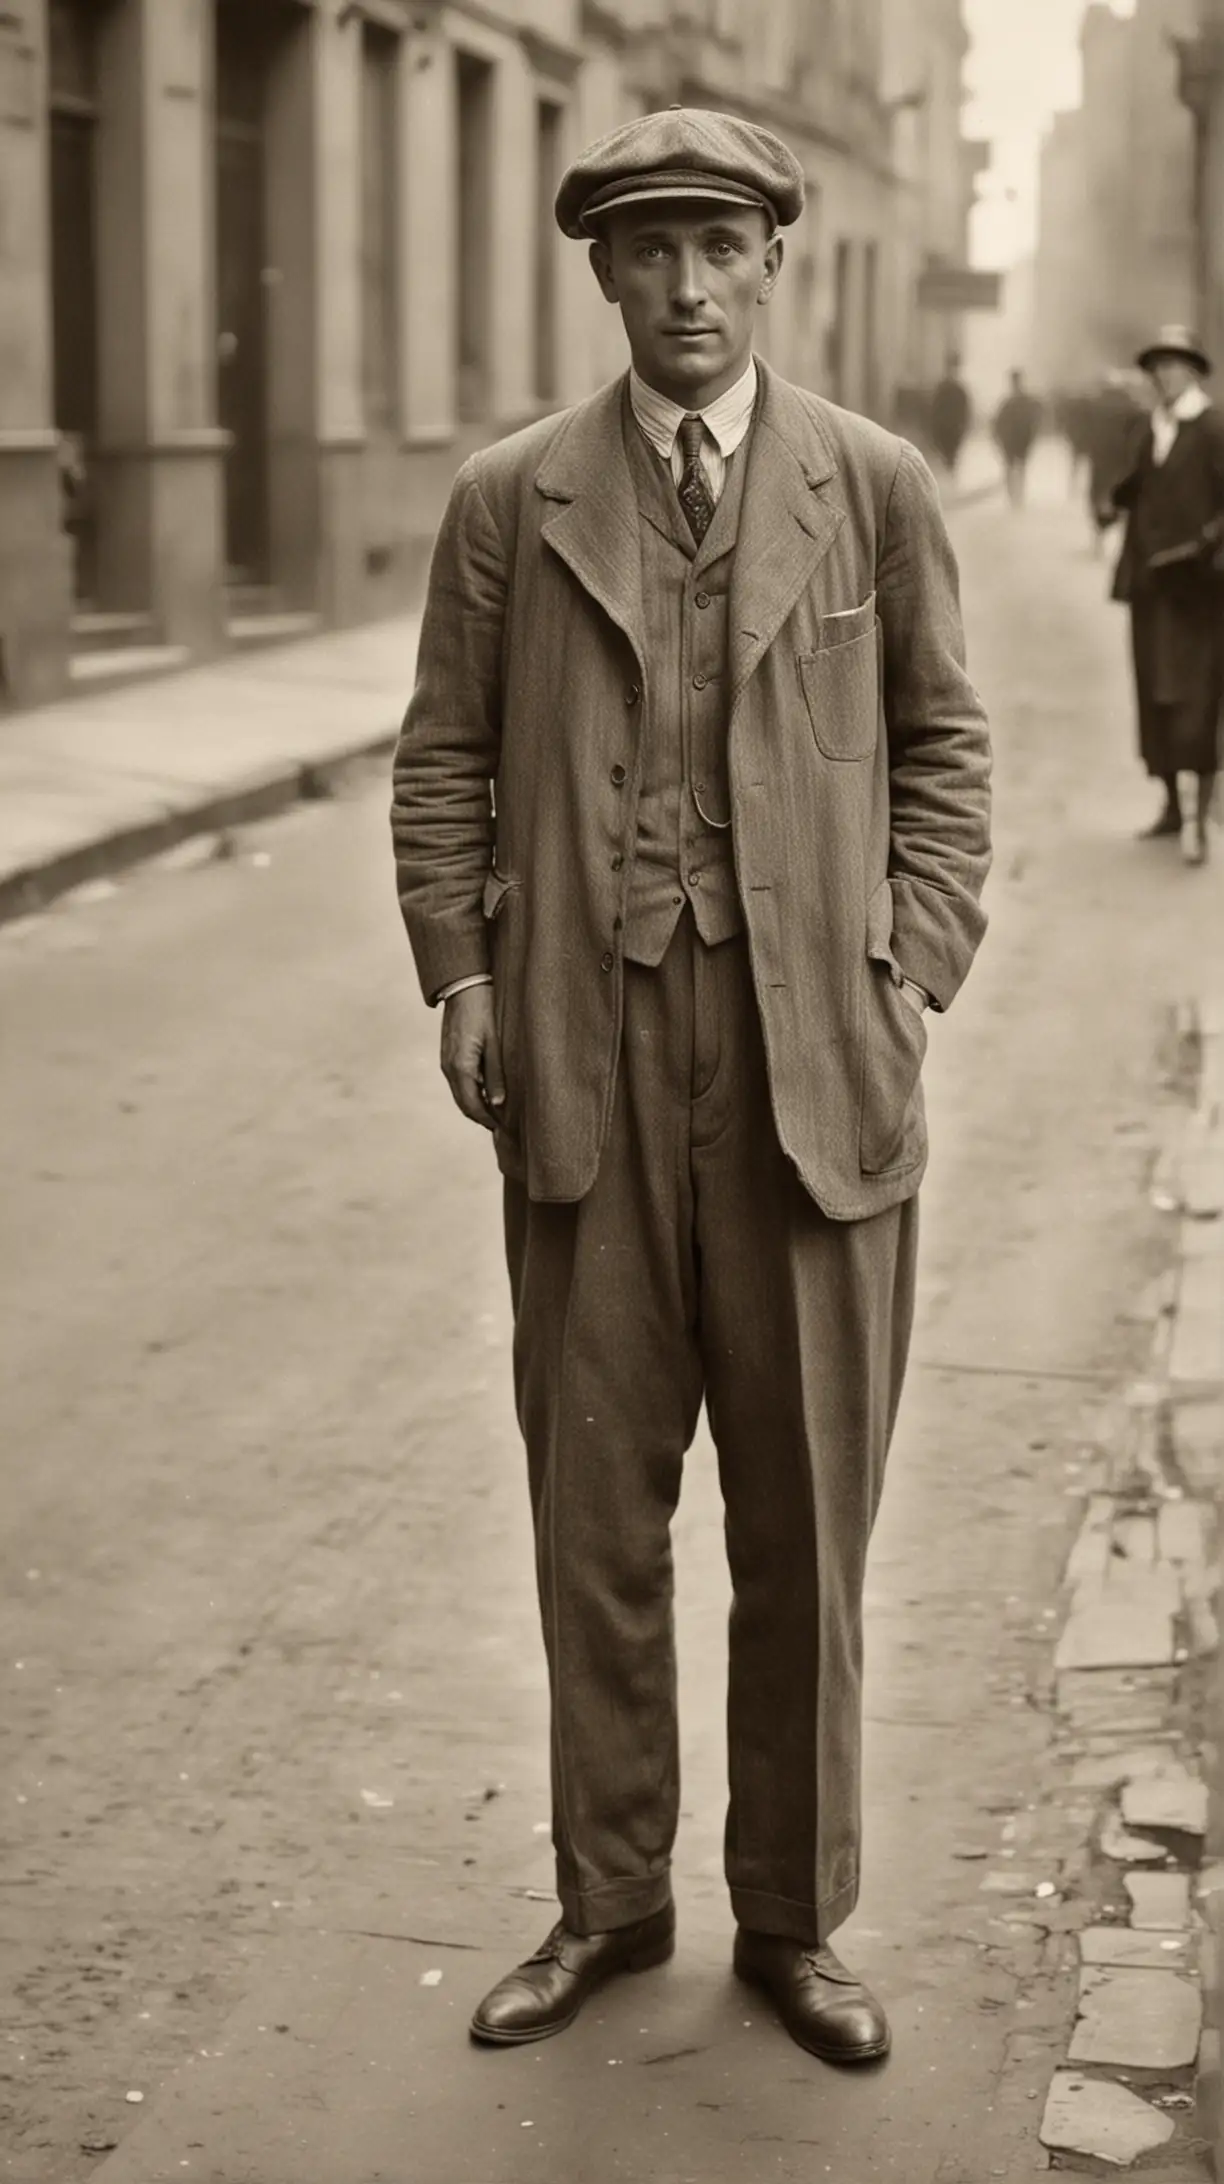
938,743
447,753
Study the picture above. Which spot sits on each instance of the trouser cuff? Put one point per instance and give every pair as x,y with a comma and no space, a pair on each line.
611,1904
809,1923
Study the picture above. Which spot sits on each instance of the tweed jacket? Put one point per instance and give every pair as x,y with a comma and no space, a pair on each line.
858,758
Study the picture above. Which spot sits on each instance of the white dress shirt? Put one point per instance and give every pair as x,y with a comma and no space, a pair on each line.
1190,403
726,421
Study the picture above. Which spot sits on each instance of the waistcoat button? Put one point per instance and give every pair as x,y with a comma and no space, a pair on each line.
606,960
700,681
701,599
619,777
632,694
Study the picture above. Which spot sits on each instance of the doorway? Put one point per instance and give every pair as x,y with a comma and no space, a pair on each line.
73,89
246,33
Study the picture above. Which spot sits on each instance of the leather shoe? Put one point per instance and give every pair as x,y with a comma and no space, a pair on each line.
545,1994
1169,821
822,2005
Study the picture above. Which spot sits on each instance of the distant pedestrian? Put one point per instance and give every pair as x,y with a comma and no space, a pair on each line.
1115,423
951,416
691,824
1016,424
1171,574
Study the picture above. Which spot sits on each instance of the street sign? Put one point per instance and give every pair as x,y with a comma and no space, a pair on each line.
958,288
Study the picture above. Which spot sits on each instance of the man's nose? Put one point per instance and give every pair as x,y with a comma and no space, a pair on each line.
689,289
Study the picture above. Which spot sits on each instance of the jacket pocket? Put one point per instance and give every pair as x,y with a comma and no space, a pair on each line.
841,684
892,1117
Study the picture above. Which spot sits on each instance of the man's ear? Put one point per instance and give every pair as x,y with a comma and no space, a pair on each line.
601,265
773,266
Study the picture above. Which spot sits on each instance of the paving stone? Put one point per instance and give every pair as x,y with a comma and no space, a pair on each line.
1181,1532
1103,1701
1107,1770
1090,1555
1147,2020
1128,1635
1176,1799
1160,1901
1133,1537
1095,2117
1119,1843
1135,1950
1132,1586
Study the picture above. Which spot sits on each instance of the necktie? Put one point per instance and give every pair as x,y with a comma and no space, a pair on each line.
695,497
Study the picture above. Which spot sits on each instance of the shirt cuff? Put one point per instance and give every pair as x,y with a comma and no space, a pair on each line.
460,985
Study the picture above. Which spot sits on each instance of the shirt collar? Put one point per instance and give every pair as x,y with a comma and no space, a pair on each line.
726,420
1190,403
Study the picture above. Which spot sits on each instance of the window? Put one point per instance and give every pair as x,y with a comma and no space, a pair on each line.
474,199
379,254
548,175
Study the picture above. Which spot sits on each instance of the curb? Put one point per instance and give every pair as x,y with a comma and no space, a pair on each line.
262,796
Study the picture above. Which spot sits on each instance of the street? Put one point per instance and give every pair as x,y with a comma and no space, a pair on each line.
273,1734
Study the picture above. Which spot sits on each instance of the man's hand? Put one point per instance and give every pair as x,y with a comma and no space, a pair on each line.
471,1056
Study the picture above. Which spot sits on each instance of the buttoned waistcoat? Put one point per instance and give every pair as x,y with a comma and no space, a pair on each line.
857,757
682,848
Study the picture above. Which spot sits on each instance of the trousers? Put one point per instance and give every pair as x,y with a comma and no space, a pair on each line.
698,1267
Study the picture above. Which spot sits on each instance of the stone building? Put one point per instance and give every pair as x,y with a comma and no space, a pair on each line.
270,268
1201,78
1115,253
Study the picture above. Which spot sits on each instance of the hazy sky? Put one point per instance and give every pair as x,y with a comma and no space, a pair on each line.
1023,66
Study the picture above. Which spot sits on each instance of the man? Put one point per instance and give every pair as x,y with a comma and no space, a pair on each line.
1171,573
701,636
951,416
1015,429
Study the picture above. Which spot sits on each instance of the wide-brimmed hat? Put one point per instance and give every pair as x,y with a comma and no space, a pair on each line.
682,152
1175,341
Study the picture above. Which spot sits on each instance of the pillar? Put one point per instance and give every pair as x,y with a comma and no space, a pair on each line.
35,556
160,455
340,423
428,362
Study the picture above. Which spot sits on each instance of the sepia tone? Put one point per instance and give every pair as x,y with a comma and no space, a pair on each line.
771,1153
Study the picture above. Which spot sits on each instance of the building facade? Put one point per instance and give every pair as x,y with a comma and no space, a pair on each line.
1201,80
1115,254
269,269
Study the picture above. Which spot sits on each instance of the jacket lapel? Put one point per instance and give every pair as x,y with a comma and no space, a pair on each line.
790,518
594,528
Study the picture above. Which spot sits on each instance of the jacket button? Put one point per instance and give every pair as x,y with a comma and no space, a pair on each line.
607,960
617,862
619,777
701,599
700,681
632,694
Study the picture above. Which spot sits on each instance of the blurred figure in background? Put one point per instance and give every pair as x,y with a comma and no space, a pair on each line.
1115,422
1171,574
1016,424
951,416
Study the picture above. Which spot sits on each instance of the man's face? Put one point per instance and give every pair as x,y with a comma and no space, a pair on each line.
688,277
1173,375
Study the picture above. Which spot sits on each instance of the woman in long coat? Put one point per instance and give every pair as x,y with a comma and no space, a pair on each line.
1171,574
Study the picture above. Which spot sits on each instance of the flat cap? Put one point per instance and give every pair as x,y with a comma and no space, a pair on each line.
684,151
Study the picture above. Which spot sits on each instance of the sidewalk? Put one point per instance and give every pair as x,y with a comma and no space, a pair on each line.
98,783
